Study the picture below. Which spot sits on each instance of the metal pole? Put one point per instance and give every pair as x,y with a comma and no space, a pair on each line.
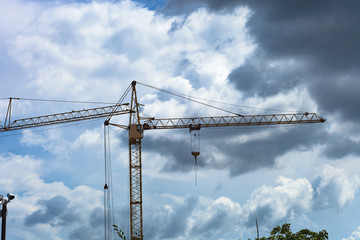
3,220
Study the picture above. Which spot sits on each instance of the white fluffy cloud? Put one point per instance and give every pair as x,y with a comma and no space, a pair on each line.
354,236
46,209
334,188
93,51
287,200
273,203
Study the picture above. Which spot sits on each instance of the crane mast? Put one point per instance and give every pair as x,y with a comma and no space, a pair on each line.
135,130
135,175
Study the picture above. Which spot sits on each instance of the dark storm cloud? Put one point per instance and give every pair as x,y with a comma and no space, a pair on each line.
257,78
55,211
321,36
179,7
238,157
323,31
262,152
341,146
177,152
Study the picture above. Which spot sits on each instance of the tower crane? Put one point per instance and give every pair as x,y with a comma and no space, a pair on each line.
137,126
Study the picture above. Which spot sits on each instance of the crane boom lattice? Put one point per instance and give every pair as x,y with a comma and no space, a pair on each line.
66,117
228,121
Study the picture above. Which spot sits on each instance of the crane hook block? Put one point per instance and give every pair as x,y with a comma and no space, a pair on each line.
194,127
195,154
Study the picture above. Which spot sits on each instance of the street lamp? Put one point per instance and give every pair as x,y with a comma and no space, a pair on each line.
4,202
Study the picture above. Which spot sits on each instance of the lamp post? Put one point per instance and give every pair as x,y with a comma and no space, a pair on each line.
4,202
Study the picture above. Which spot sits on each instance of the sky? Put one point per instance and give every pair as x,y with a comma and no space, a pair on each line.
249,57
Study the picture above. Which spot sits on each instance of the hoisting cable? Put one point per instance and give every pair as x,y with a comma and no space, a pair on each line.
120,101
108,189
195,149
189,98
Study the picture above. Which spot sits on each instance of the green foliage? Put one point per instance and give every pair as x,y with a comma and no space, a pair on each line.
284,233
278,233
122,235
119,232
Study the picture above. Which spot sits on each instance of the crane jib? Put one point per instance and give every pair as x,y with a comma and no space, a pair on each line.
172,123
85,114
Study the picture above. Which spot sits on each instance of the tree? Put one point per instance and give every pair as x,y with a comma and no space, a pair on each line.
278,233
122,235
284,233
119,232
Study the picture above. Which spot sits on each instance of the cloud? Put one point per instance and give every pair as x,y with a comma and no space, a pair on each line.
55,212
220,216
260,78
290,198
88,139
354,236
286,200
275,204
171,221
51,141
192,218
193,50
178,7
240,151
333,188
288,54
90,231
305,39
179,218
82,56
15,16
299,46
49,210
308,34
341,146
54,207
